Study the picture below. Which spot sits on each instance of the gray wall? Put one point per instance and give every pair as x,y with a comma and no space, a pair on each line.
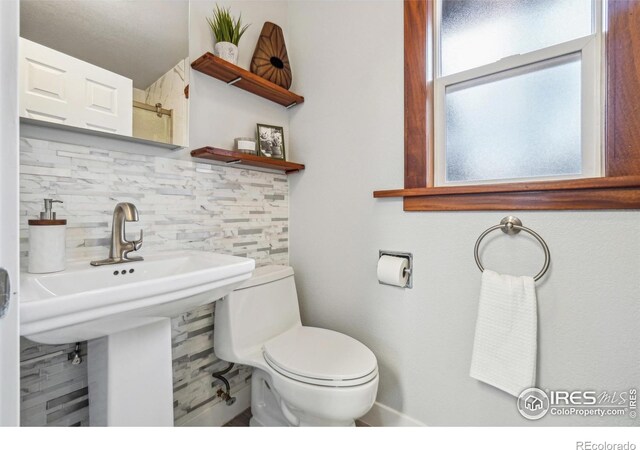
219,113
349,133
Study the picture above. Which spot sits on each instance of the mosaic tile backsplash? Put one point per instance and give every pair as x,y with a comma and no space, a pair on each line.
182,205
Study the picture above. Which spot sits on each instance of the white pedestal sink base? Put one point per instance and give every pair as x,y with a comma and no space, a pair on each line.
130,377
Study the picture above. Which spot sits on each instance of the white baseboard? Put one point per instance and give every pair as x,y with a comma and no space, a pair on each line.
219,414
383,416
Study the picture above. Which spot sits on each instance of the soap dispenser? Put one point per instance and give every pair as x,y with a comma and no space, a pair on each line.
47,236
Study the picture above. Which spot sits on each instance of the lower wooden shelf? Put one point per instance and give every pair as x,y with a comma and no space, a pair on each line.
246,159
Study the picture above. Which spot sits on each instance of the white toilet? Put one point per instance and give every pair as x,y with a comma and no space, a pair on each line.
303,376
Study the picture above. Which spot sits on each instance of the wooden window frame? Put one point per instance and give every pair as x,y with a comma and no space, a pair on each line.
618,189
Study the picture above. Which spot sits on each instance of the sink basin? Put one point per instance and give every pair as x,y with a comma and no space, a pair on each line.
85,302
124,311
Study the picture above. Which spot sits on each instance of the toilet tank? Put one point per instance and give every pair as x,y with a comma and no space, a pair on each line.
262,308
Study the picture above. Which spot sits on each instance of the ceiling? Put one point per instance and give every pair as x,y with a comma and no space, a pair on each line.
139,39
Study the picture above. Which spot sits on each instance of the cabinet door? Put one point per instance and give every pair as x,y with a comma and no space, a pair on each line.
46,84
106,100
56,87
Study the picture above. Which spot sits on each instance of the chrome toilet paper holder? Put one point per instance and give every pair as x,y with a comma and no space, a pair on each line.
409,271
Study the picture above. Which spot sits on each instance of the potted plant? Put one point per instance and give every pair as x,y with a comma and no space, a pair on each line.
227,32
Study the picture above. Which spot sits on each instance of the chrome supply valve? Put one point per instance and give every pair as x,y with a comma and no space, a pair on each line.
226,397
226,393
75,357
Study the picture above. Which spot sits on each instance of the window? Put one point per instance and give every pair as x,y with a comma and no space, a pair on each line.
523,90
517,90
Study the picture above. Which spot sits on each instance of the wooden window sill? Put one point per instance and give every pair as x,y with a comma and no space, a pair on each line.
586,193
620,189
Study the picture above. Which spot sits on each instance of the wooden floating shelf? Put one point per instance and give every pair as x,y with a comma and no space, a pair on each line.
231,74
246,159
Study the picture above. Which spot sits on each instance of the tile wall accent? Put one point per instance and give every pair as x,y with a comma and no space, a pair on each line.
53,392
182,205
193,363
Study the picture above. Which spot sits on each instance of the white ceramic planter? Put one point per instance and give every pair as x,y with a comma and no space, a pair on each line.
226,51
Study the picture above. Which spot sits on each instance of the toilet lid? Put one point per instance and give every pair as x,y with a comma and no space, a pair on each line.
322,357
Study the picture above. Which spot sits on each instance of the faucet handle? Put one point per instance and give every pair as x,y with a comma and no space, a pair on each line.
137,244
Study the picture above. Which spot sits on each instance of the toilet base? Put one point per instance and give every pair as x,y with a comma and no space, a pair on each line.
268,409
265,402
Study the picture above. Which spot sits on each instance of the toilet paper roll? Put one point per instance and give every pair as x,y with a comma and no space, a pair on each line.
391,270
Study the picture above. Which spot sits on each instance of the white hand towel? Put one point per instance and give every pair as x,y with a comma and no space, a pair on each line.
505,344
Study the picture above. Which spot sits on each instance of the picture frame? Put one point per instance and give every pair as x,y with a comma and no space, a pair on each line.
270,139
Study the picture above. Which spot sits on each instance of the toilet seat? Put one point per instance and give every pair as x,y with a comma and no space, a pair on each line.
321,357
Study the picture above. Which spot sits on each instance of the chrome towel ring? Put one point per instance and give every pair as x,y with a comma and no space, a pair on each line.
512,225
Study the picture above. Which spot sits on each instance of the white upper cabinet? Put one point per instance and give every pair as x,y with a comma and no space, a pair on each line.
56,87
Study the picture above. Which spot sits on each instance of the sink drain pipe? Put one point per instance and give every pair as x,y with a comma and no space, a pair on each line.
226,394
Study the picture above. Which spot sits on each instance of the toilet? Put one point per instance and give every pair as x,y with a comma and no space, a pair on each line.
303,376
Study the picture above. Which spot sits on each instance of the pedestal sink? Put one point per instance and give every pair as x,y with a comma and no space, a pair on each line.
124,311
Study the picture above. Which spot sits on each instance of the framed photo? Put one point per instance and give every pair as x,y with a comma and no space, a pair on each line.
271,141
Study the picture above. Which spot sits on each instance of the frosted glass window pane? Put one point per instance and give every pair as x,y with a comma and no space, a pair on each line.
476,32
521,123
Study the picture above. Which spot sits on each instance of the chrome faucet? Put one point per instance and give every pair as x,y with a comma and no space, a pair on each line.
120,247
